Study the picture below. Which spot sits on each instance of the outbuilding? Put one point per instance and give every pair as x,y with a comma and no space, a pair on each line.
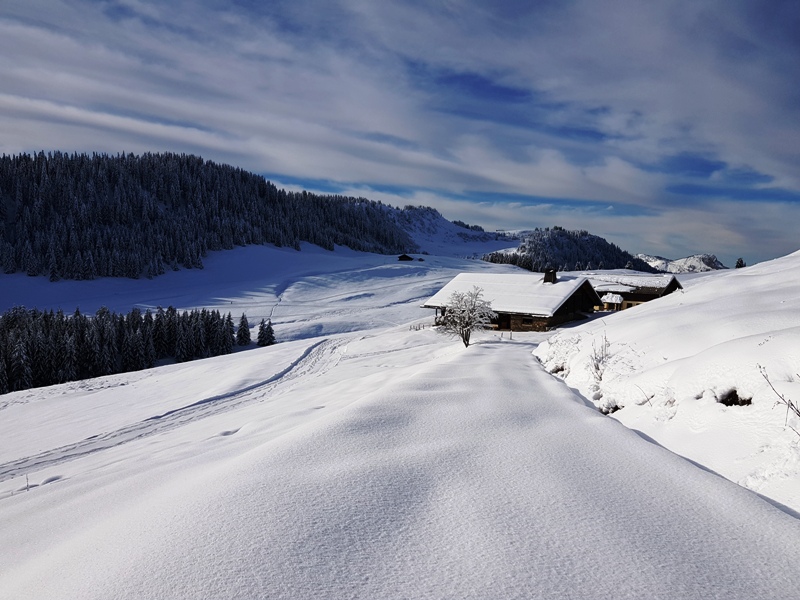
631,288
524,301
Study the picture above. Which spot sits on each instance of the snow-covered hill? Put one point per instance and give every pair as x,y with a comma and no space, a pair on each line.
563,250
670,367
367,456
697,263
435,235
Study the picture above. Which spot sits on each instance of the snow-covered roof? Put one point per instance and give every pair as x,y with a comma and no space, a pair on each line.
524,294
628,282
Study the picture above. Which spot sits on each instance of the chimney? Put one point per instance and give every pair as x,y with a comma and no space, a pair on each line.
549,276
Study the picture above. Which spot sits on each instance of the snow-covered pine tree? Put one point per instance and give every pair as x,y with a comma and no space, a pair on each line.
228,335
20,372
266,335
183,342
68,370
243,332
4,389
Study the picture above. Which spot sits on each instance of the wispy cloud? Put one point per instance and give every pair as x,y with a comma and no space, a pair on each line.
683,116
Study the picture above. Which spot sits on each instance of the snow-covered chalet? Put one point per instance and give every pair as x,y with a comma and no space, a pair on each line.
524,301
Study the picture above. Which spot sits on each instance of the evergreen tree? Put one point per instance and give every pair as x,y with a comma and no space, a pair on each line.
88,350
160,334
107,355
263,338
53,266
4,388
740,263
68,370
228,336
243,332
133,358
171,330
183,350
21,377
266,336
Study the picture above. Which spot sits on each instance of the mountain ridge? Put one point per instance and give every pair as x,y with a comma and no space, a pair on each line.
696,263
567,250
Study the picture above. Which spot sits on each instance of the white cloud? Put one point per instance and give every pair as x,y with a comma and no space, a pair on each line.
324,90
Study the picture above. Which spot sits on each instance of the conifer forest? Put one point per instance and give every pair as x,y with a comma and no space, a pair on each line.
76,216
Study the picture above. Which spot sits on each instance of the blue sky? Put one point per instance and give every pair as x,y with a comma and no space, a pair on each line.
668,127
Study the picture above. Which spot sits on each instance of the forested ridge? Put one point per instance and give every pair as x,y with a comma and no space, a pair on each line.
80,216
563,250
39,348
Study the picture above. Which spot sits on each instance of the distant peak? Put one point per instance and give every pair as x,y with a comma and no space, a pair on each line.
696,263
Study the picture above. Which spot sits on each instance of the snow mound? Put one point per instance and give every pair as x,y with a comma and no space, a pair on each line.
684,370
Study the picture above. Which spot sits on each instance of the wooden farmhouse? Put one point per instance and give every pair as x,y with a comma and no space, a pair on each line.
619,291
524,302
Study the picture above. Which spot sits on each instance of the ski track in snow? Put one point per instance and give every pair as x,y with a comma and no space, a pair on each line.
318,358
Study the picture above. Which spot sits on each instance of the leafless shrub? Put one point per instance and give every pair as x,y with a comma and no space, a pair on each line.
599,358
466,312
791,405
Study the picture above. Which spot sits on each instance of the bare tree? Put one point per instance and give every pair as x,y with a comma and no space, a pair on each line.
466,312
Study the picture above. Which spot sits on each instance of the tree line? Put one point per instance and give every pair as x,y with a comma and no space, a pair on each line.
40,348
563,250
76,216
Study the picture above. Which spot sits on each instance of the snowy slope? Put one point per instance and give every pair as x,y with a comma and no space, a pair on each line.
670,363
697,263
367,456
436,235
400,467
306,293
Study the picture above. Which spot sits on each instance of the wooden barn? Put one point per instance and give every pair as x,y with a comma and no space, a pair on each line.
524,301
628,289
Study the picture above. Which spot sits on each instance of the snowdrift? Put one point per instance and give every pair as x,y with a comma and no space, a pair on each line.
684,370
